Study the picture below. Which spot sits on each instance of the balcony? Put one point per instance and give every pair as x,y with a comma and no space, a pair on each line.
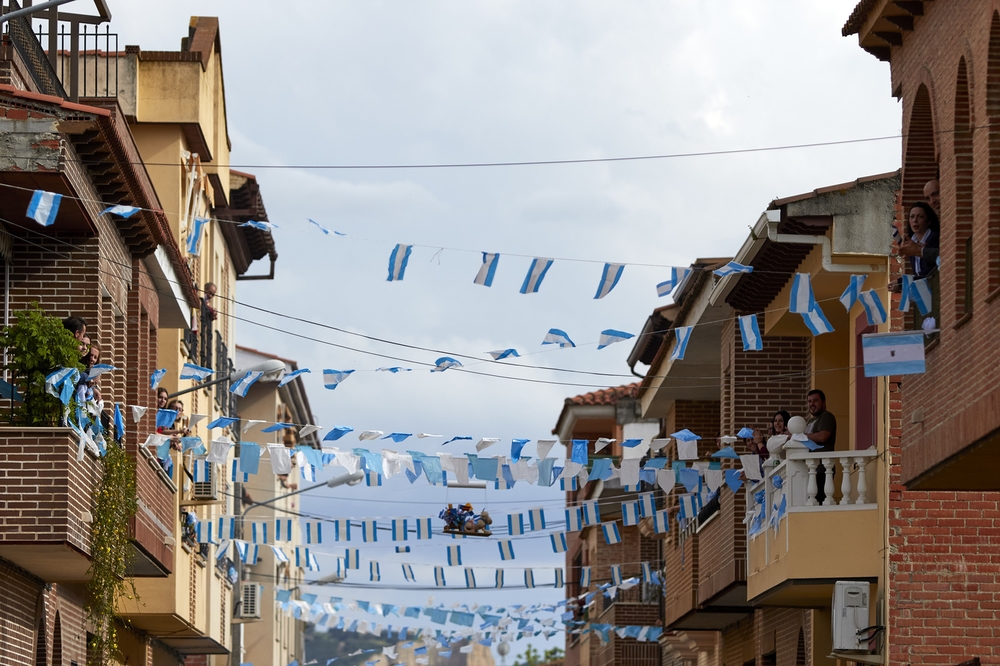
45,502
799,546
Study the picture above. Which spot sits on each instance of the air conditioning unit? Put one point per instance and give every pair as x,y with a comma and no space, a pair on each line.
207,490
250,608
850,615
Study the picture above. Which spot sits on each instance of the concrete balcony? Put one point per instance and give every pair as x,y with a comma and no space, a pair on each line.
45,502
799,545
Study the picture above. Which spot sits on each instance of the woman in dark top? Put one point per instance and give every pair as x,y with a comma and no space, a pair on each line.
923,239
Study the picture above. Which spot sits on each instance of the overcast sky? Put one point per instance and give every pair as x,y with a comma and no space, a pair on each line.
378,82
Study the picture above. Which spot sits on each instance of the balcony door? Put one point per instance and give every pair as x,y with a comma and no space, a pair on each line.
865,397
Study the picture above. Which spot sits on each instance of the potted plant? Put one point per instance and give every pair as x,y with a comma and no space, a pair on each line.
37,345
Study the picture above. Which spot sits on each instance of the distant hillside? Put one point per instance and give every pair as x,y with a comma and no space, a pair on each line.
334,643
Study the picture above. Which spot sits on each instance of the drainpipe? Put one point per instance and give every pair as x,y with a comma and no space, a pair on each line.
774,217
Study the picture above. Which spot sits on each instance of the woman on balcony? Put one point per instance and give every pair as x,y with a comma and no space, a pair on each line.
923,240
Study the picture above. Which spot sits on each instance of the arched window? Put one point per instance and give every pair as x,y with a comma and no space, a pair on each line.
993,121
41,648
919,155
57,656
962,230
800,651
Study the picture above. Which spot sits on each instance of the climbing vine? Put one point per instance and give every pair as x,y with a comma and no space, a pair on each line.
115,505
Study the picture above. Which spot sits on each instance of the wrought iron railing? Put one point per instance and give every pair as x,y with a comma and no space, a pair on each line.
31,51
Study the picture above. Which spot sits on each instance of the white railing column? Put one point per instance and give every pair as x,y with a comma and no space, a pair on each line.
828,485
845,481
862,483
811,487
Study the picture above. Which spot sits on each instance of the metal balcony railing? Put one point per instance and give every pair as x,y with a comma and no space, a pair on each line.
18,31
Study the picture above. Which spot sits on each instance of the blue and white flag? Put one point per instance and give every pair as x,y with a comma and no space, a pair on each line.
853,291
408,573
249,552
591,512
222,422
506,549
44,207
499,579
402,549
801,300
454,556
373,479
333,378
872,304
326,232
194,235
750,332
689,506
283,529
394,370
584,577
119,422
470,578
661,522
165,418
352,558
156,378
610,336
445,363
556,336
227,527
893,353
515,524
920,294
398,436
121,210
195,372
647,573
204,531
731,268
241,386
439,576
558,540
574,521
369,530
488,269
500,354
560,580
611,533
610,276
279,556
314,531
616,574
289,376
569,484
905,289
397,261
529,579
423,528
341,529
630,514
536,518
816,321
647,505
261,225
374,573
681,336
258,532
399,529
677,276
536,273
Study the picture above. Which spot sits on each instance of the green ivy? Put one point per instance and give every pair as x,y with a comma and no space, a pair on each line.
38,344
115,505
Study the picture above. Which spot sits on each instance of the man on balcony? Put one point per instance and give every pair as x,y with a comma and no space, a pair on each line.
821,430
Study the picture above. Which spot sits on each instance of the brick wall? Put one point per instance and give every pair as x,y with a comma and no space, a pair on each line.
944,601
786,632
44,490
722,547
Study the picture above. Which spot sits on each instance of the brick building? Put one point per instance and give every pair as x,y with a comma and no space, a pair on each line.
96,266
612,414
944,61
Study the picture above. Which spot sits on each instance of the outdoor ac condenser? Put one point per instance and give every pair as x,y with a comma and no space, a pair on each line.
850,615
250,608
208,489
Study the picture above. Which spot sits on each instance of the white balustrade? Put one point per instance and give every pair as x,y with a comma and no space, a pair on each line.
803,486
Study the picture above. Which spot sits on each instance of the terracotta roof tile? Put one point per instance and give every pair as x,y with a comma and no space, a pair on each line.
608,396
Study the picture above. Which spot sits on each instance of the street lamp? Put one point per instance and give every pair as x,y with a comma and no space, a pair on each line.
273,370
352,479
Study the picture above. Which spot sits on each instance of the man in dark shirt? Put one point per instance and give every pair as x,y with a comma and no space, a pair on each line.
821,429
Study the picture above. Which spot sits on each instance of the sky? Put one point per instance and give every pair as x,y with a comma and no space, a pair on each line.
424,82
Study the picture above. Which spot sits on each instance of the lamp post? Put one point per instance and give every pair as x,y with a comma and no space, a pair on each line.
352,479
